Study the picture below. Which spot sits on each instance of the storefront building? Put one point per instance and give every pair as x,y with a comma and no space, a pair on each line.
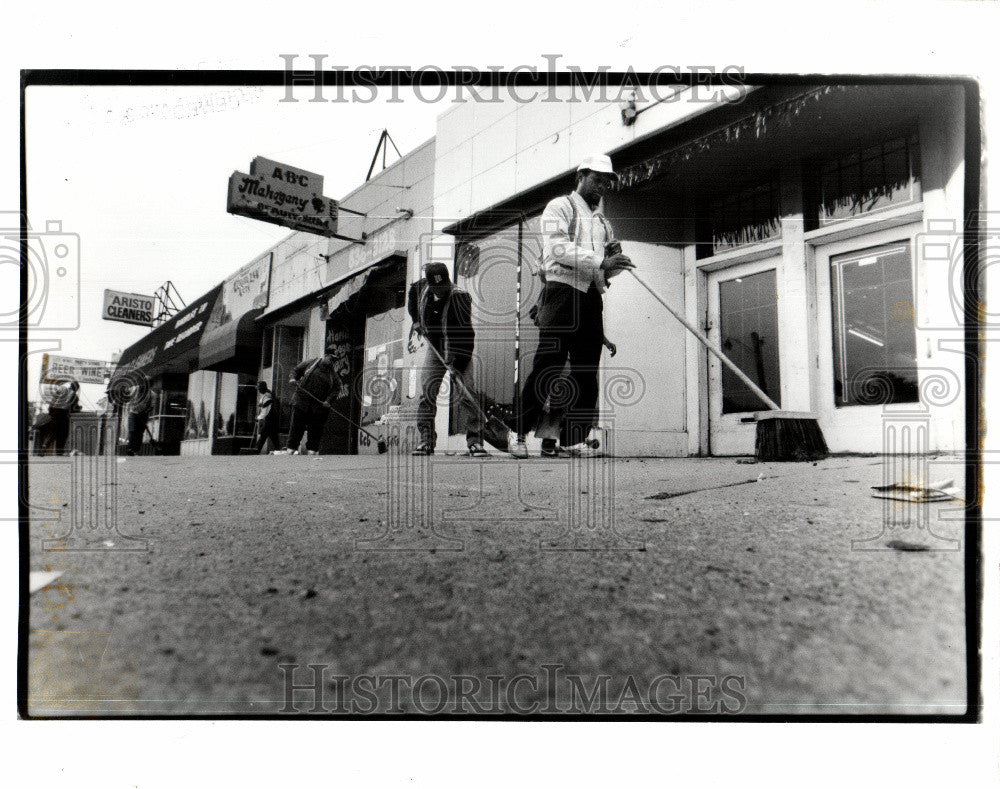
352,295
222,393
167,360
201,367
286,306
790,222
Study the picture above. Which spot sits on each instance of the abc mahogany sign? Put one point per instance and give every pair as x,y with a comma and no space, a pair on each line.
282,195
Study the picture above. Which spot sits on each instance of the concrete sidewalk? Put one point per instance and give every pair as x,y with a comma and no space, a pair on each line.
778,576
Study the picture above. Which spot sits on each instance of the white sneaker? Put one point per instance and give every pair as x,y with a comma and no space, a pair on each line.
283,452
312,452
586,449
516,446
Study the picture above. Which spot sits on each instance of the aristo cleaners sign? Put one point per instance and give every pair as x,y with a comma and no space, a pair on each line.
128,308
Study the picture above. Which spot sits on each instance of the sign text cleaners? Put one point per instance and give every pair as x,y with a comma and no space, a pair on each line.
128,308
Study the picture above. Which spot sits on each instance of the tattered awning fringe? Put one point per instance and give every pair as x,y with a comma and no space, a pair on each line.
780,114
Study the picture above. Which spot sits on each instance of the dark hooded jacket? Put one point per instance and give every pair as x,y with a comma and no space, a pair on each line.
448,327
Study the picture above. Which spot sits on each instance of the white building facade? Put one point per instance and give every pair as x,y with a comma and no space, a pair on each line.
812,231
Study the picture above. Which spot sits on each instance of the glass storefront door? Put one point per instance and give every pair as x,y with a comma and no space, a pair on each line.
743,317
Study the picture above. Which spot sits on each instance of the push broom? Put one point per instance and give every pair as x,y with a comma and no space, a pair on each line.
781,435
494,431
382,446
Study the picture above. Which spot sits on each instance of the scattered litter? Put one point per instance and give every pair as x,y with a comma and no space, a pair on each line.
668,495
901,545
941,490
308,594
120,460
108,544
39,580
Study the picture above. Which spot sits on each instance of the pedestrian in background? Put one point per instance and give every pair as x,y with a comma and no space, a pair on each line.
267,420
139,411
65,400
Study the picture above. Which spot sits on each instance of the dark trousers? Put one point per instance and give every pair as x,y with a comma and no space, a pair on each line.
431,375
60,428
571,326
309,420
136,428
268,431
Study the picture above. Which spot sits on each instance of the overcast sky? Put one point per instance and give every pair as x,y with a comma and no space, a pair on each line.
140,176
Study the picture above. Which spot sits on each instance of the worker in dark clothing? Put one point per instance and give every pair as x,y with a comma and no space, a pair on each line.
319,383
65,400
442,316
267,419
139,411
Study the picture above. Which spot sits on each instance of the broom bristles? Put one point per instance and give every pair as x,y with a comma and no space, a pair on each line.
789,439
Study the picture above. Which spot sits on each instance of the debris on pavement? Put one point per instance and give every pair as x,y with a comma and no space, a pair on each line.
941,490
902,545
38,580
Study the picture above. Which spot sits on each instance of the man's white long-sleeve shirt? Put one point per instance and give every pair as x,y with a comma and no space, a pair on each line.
575,262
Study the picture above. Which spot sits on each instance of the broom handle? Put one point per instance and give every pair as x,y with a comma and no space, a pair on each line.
707,343
458,380
331,408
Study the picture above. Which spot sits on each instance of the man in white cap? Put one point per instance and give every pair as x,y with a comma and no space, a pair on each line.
579,256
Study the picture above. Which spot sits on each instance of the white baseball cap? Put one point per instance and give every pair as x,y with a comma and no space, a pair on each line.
598,163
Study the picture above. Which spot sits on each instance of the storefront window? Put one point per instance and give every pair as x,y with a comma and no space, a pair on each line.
385,315
867,180
234,405
748,322
874,340
200,402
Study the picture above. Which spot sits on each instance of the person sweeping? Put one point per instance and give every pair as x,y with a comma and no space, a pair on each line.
570,316
442,316
318,383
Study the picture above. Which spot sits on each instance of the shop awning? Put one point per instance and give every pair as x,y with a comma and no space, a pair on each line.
232,346
351,287
172,346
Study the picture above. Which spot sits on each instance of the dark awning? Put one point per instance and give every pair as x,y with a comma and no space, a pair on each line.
172,346
234,346
350,288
